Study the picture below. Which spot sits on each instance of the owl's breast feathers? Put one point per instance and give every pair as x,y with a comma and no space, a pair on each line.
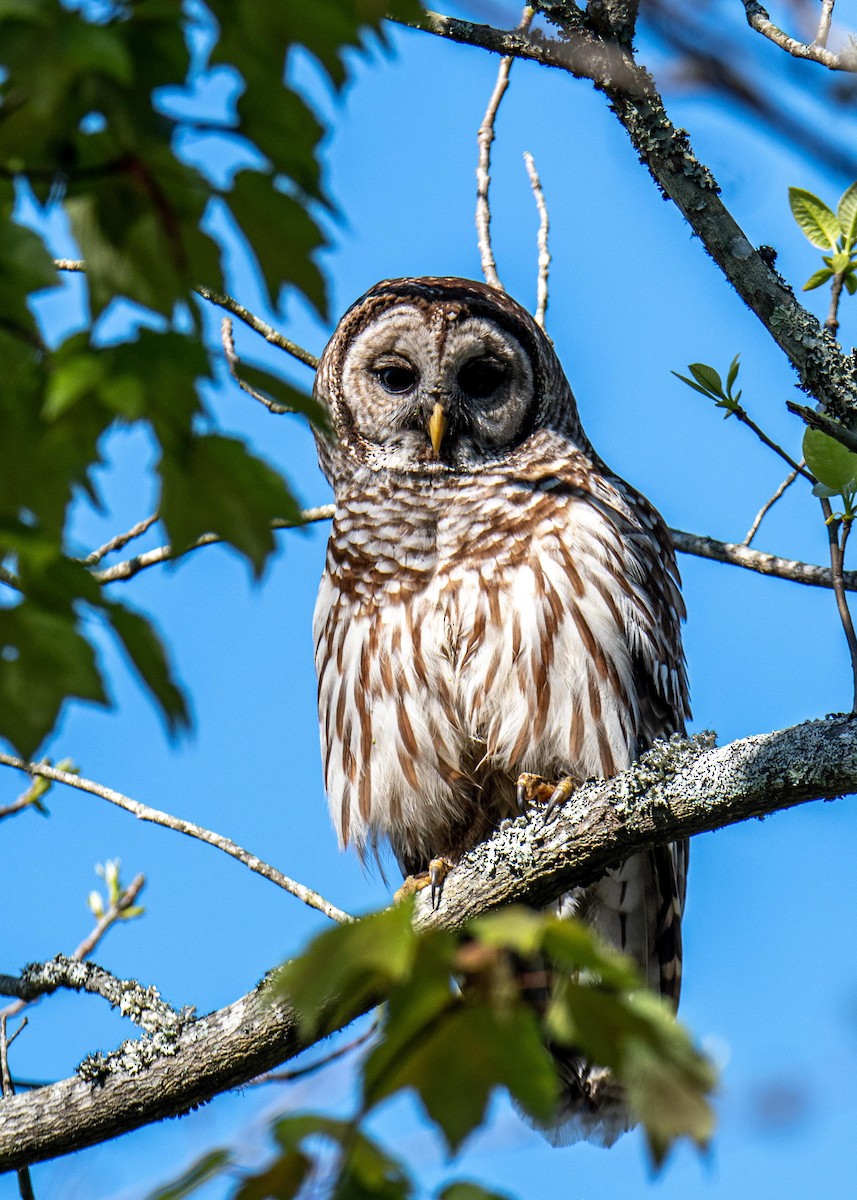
470,628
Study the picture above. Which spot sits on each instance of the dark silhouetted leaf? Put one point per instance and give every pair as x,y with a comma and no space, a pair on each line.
205,1169
217,486
144,648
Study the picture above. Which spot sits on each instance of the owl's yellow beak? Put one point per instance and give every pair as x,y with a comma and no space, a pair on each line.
437,427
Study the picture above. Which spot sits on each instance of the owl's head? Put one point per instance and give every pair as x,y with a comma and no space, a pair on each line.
433,375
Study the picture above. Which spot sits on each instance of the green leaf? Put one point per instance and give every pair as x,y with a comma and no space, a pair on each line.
831,463
702,390
707,377
457,1061
734,367
850,280
815,219
839,261
44,660
369,1173
258,206
203,1170
280,1181
146,652
846,212
344,970
215,485
823,492
817,279
464,1190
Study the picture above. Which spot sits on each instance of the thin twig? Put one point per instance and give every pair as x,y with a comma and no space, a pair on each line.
113,914
767,506
144,813
544,252
819,420
746,419
150,558
261,327
484,138
832,321
824,22
758,19
233,361
25,800
319,1063
120,541
238,310
25,1184
837,556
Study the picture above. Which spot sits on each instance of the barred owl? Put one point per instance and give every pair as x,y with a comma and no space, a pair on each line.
495,602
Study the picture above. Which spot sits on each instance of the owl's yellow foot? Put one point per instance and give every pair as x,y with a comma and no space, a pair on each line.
434,877
552,793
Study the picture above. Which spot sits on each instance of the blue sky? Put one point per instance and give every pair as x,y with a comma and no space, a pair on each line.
771,971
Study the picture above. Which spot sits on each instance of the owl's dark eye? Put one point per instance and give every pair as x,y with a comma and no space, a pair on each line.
480,378
397,379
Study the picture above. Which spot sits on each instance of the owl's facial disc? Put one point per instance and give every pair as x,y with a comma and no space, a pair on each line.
438,394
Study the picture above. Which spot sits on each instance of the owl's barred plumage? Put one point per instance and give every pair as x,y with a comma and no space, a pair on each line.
495,601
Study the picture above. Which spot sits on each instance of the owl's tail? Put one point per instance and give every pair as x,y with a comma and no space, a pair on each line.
592,1106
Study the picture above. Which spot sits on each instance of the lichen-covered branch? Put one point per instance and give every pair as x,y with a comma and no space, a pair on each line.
679,789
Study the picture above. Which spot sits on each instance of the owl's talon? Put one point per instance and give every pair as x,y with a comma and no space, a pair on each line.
438,870
411,885
434,877
560,794
533,789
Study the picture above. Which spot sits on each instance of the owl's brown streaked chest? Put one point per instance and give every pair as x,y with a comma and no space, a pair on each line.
392,544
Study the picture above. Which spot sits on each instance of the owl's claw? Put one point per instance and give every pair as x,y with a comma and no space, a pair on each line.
561,793
536,789
434,877
438,870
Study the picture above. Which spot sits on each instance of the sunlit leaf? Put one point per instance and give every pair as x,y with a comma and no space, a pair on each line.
846,212
817,279
815,219
831,463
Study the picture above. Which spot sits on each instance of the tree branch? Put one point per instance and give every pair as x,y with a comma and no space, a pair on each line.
758,19
78,266
678,789
823,370
756,560
144,813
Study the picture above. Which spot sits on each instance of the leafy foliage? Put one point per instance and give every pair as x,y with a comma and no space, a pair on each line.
835,232
94,98
449,1042
454,1007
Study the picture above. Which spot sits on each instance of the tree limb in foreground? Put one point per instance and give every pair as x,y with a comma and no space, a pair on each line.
678,789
